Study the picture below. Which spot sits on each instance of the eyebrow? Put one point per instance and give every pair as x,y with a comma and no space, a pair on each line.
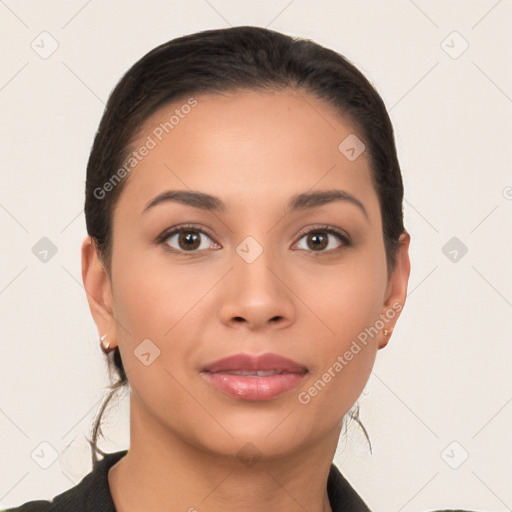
300,202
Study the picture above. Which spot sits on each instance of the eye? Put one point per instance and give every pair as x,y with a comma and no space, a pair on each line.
187,239
192,240
319,238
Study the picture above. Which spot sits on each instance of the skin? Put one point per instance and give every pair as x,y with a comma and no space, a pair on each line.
253,150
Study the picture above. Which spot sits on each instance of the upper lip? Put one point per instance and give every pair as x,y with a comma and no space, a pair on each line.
268,361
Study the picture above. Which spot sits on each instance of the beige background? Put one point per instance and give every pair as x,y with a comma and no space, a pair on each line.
441,389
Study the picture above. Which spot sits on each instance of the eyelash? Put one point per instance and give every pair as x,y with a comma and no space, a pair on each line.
341,235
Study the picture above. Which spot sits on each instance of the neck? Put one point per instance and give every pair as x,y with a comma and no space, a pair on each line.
161,470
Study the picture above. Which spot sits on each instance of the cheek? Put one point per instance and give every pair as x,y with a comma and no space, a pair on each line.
160,303
165,302
342,359
152,291
346,298
347,303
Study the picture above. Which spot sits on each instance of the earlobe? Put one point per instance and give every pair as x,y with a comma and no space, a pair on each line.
396,291
386,335
98,288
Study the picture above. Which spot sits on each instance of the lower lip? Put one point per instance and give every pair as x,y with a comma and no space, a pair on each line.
254,387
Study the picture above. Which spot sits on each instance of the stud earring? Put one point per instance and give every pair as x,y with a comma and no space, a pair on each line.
105,345
388,332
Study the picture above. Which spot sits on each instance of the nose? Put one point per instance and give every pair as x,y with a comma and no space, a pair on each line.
257,296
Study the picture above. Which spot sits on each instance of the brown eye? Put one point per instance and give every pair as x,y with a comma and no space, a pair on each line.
319,240
187,239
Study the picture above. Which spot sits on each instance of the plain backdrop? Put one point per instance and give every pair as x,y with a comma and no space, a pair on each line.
438,406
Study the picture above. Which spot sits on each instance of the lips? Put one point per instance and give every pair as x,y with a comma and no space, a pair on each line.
256,378
253,364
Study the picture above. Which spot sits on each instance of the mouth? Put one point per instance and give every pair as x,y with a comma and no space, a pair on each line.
255,378
253,373
255,363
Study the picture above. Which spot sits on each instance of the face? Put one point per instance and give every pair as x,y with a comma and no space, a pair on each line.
268,272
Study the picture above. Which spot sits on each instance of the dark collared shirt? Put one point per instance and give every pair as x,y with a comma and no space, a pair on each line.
92,493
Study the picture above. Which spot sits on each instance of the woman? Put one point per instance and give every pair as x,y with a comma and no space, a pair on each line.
246,258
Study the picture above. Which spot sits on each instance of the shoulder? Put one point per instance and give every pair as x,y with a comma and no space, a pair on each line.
91,494
30,506
342,496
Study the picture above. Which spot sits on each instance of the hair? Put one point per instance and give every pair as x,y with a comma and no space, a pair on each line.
229,60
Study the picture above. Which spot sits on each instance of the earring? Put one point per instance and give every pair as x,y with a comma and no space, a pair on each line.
105,345
388,333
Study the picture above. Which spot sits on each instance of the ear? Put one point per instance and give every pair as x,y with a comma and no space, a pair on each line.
99,291
396,291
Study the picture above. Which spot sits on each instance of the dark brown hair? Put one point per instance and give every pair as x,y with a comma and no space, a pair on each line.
227,60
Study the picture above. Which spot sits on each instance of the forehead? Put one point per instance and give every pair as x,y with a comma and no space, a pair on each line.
247,146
